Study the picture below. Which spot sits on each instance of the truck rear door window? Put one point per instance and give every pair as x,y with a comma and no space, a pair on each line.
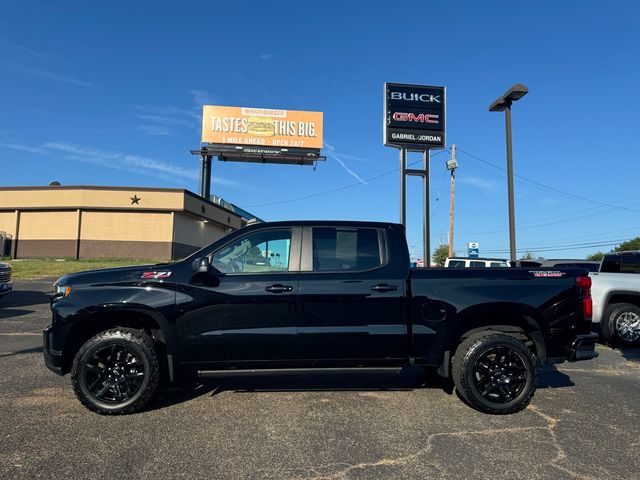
336,249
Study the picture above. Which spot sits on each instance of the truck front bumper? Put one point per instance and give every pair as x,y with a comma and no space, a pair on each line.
583,347
52,358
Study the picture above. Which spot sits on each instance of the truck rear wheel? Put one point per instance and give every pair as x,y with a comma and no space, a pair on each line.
621,325
494,373
116,371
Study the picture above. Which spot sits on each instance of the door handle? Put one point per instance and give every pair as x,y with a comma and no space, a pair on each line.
278,288
383,287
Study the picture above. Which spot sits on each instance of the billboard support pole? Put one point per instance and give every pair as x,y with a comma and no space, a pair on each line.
403,187
205,176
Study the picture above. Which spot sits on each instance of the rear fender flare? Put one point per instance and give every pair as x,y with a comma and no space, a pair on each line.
497,316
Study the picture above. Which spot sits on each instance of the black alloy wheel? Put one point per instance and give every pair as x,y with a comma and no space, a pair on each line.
494,372
500,374
116,371
113,374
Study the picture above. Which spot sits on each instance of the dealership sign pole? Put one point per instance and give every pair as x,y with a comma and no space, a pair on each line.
414,121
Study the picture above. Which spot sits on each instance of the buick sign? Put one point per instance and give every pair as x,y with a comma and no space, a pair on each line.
414,116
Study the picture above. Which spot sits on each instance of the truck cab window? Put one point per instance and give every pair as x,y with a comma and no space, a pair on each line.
610,264
336,249
260,252
456,264
630,264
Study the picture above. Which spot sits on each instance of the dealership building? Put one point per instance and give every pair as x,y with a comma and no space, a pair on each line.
111,222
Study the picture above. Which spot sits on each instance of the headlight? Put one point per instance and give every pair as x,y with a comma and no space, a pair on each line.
62,291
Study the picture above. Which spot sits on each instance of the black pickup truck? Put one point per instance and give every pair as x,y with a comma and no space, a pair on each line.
304,296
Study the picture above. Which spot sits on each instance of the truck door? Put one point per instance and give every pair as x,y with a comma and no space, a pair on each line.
351,300
246,312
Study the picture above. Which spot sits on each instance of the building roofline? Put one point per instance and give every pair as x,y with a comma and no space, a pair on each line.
94,187
119,188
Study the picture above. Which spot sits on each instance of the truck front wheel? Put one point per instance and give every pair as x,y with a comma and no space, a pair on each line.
116,371
494,373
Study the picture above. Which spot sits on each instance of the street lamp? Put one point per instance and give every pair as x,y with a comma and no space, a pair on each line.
503,103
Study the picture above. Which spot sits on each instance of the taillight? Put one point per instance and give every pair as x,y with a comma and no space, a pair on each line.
584,283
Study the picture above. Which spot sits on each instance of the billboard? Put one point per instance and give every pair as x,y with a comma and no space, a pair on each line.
261,127
414,116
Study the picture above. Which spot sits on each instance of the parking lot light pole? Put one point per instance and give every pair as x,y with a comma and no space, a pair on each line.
503,103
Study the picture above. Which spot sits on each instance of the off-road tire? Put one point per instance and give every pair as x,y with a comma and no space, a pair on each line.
140,347
608,324
518,377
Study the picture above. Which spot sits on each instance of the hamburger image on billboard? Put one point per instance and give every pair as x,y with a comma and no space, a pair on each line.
261,126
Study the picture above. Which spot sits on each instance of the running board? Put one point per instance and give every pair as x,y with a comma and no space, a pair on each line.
292,371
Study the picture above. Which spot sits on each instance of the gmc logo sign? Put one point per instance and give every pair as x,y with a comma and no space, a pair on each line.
416,118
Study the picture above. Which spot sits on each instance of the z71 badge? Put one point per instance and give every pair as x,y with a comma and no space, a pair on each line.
155,275
546,273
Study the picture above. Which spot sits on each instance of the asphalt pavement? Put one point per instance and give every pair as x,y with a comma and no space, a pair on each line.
582,423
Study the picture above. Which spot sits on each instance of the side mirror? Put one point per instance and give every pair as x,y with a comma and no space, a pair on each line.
203,265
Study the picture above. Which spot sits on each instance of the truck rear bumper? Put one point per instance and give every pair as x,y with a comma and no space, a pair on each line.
583,347
52,358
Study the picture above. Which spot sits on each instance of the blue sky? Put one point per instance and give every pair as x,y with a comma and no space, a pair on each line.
106,93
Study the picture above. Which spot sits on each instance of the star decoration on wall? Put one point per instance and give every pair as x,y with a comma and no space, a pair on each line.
135,200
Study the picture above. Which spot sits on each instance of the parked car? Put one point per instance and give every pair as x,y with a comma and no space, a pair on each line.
341,296
466,262
6,283
616,307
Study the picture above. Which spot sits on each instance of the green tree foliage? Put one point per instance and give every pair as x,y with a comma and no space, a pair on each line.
595,256
527,256
440,255
633,244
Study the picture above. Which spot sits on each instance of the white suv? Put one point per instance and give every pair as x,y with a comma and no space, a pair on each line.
464,262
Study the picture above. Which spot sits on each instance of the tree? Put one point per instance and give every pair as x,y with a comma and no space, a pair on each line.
598,256
527,256
440,255
633,244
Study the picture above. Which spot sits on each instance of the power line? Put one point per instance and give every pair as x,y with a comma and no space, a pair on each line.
558,247
544,224
548,187
338,189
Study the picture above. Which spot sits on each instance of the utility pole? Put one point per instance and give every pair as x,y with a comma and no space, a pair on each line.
452,164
